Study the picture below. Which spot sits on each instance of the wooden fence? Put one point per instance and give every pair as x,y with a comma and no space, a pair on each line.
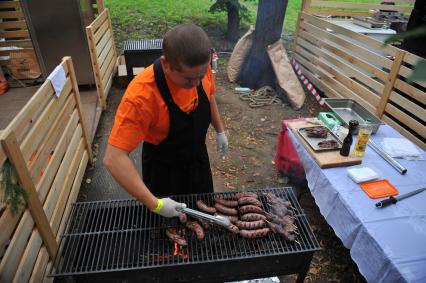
102,53
347,64
47,146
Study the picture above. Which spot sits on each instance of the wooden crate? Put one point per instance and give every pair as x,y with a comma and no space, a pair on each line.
346,64
48,147
102,53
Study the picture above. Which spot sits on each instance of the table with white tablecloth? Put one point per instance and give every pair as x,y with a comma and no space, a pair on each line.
387,244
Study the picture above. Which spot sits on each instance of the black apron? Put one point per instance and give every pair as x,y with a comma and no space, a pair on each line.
180,163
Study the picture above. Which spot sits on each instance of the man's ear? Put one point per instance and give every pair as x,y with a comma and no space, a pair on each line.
164,63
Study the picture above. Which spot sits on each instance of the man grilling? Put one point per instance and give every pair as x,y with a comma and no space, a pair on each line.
169,106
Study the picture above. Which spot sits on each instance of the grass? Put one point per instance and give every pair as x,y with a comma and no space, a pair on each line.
135,19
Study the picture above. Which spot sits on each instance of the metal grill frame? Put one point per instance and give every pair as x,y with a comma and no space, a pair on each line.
96,242
141,53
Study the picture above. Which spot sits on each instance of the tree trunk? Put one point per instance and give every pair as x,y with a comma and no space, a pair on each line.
257,69
233,23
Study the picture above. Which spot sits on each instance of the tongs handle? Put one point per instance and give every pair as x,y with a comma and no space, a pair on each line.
219,220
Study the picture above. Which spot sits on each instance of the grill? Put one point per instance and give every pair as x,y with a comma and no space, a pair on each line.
141,53
122,241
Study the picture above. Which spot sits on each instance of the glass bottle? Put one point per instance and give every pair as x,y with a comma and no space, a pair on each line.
347,142
364,134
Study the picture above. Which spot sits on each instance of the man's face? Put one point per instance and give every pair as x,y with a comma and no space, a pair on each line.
184,76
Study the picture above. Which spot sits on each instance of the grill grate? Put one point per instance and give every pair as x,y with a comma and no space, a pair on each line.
110,236
144,44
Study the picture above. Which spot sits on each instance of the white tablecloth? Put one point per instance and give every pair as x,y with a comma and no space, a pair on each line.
388,244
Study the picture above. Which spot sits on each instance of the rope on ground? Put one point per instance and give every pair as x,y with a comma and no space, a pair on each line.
262,97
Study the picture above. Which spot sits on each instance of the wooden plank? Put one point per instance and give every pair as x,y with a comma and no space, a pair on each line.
100,19
411,91
104,40
8,222
9,4
340,13
95,65
106,62
363,78
378,60
100,32
76,93
20,43
113,43
11,15
350,5
39,130
53,208
108,86
14,34
106,52
406,72
101,5
40,266
354,35
325,159
107,74
10,144
405,119
13,24
41,159
389,83
388,120
413,108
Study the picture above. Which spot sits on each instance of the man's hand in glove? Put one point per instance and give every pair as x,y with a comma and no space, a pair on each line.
222,143
168,208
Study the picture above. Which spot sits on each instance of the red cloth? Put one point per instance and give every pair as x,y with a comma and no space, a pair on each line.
286,159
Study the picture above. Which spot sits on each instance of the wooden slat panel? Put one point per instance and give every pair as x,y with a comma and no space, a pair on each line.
106,52
20,43
406,120
38,131
53,208
105,39
43,258
344,13
359,6
13,24
411,91
406,72
100,19
108,86
14,34
107,74
403,131
408,105
101,31
9,4
11,15
366,80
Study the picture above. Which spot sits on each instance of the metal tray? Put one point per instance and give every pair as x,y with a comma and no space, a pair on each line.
313,142
348,109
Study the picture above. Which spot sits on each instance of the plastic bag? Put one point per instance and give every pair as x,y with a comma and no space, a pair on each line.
286,159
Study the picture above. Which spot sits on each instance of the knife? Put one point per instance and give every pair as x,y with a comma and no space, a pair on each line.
393,200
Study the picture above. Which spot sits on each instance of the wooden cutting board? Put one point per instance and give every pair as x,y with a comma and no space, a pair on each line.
325,159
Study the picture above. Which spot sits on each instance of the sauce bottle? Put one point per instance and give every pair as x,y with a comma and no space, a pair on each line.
347,142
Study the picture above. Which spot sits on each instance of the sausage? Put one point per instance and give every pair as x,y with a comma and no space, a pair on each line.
226,202
254,233
198,230
251,208
204,207
234,229
231,218
183,218
249,200
246,194
225,210
250,224
172,234
252,217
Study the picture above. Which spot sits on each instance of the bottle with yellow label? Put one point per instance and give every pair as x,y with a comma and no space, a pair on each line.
364,134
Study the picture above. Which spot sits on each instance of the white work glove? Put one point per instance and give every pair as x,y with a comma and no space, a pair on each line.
222,143
168,208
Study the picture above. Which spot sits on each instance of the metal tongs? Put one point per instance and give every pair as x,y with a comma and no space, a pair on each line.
219,220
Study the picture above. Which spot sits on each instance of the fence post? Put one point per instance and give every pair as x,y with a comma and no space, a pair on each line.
14,154
390,81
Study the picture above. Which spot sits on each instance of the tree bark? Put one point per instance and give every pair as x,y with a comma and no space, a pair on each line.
257,69
233,23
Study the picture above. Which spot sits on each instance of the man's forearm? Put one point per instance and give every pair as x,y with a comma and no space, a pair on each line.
215,116
125,173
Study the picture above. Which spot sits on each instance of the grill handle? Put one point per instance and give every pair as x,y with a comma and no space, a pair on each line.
218,220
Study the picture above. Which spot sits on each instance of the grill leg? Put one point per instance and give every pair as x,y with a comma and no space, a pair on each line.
303,271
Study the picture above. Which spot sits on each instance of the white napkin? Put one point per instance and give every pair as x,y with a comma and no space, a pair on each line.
401,148
57,78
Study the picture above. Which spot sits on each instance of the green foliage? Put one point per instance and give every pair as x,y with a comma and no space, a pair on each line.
222,6
14,195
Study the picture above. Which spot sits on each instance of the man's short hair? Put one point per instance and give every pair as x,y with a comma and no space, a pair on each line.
187,44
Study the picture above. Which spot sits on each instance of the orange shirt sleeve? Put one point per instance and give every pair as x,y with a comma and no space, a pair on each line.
133,119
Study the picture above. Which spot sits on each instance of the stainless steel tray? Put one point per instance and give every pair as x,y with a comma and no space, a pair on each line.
313,142
349,109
